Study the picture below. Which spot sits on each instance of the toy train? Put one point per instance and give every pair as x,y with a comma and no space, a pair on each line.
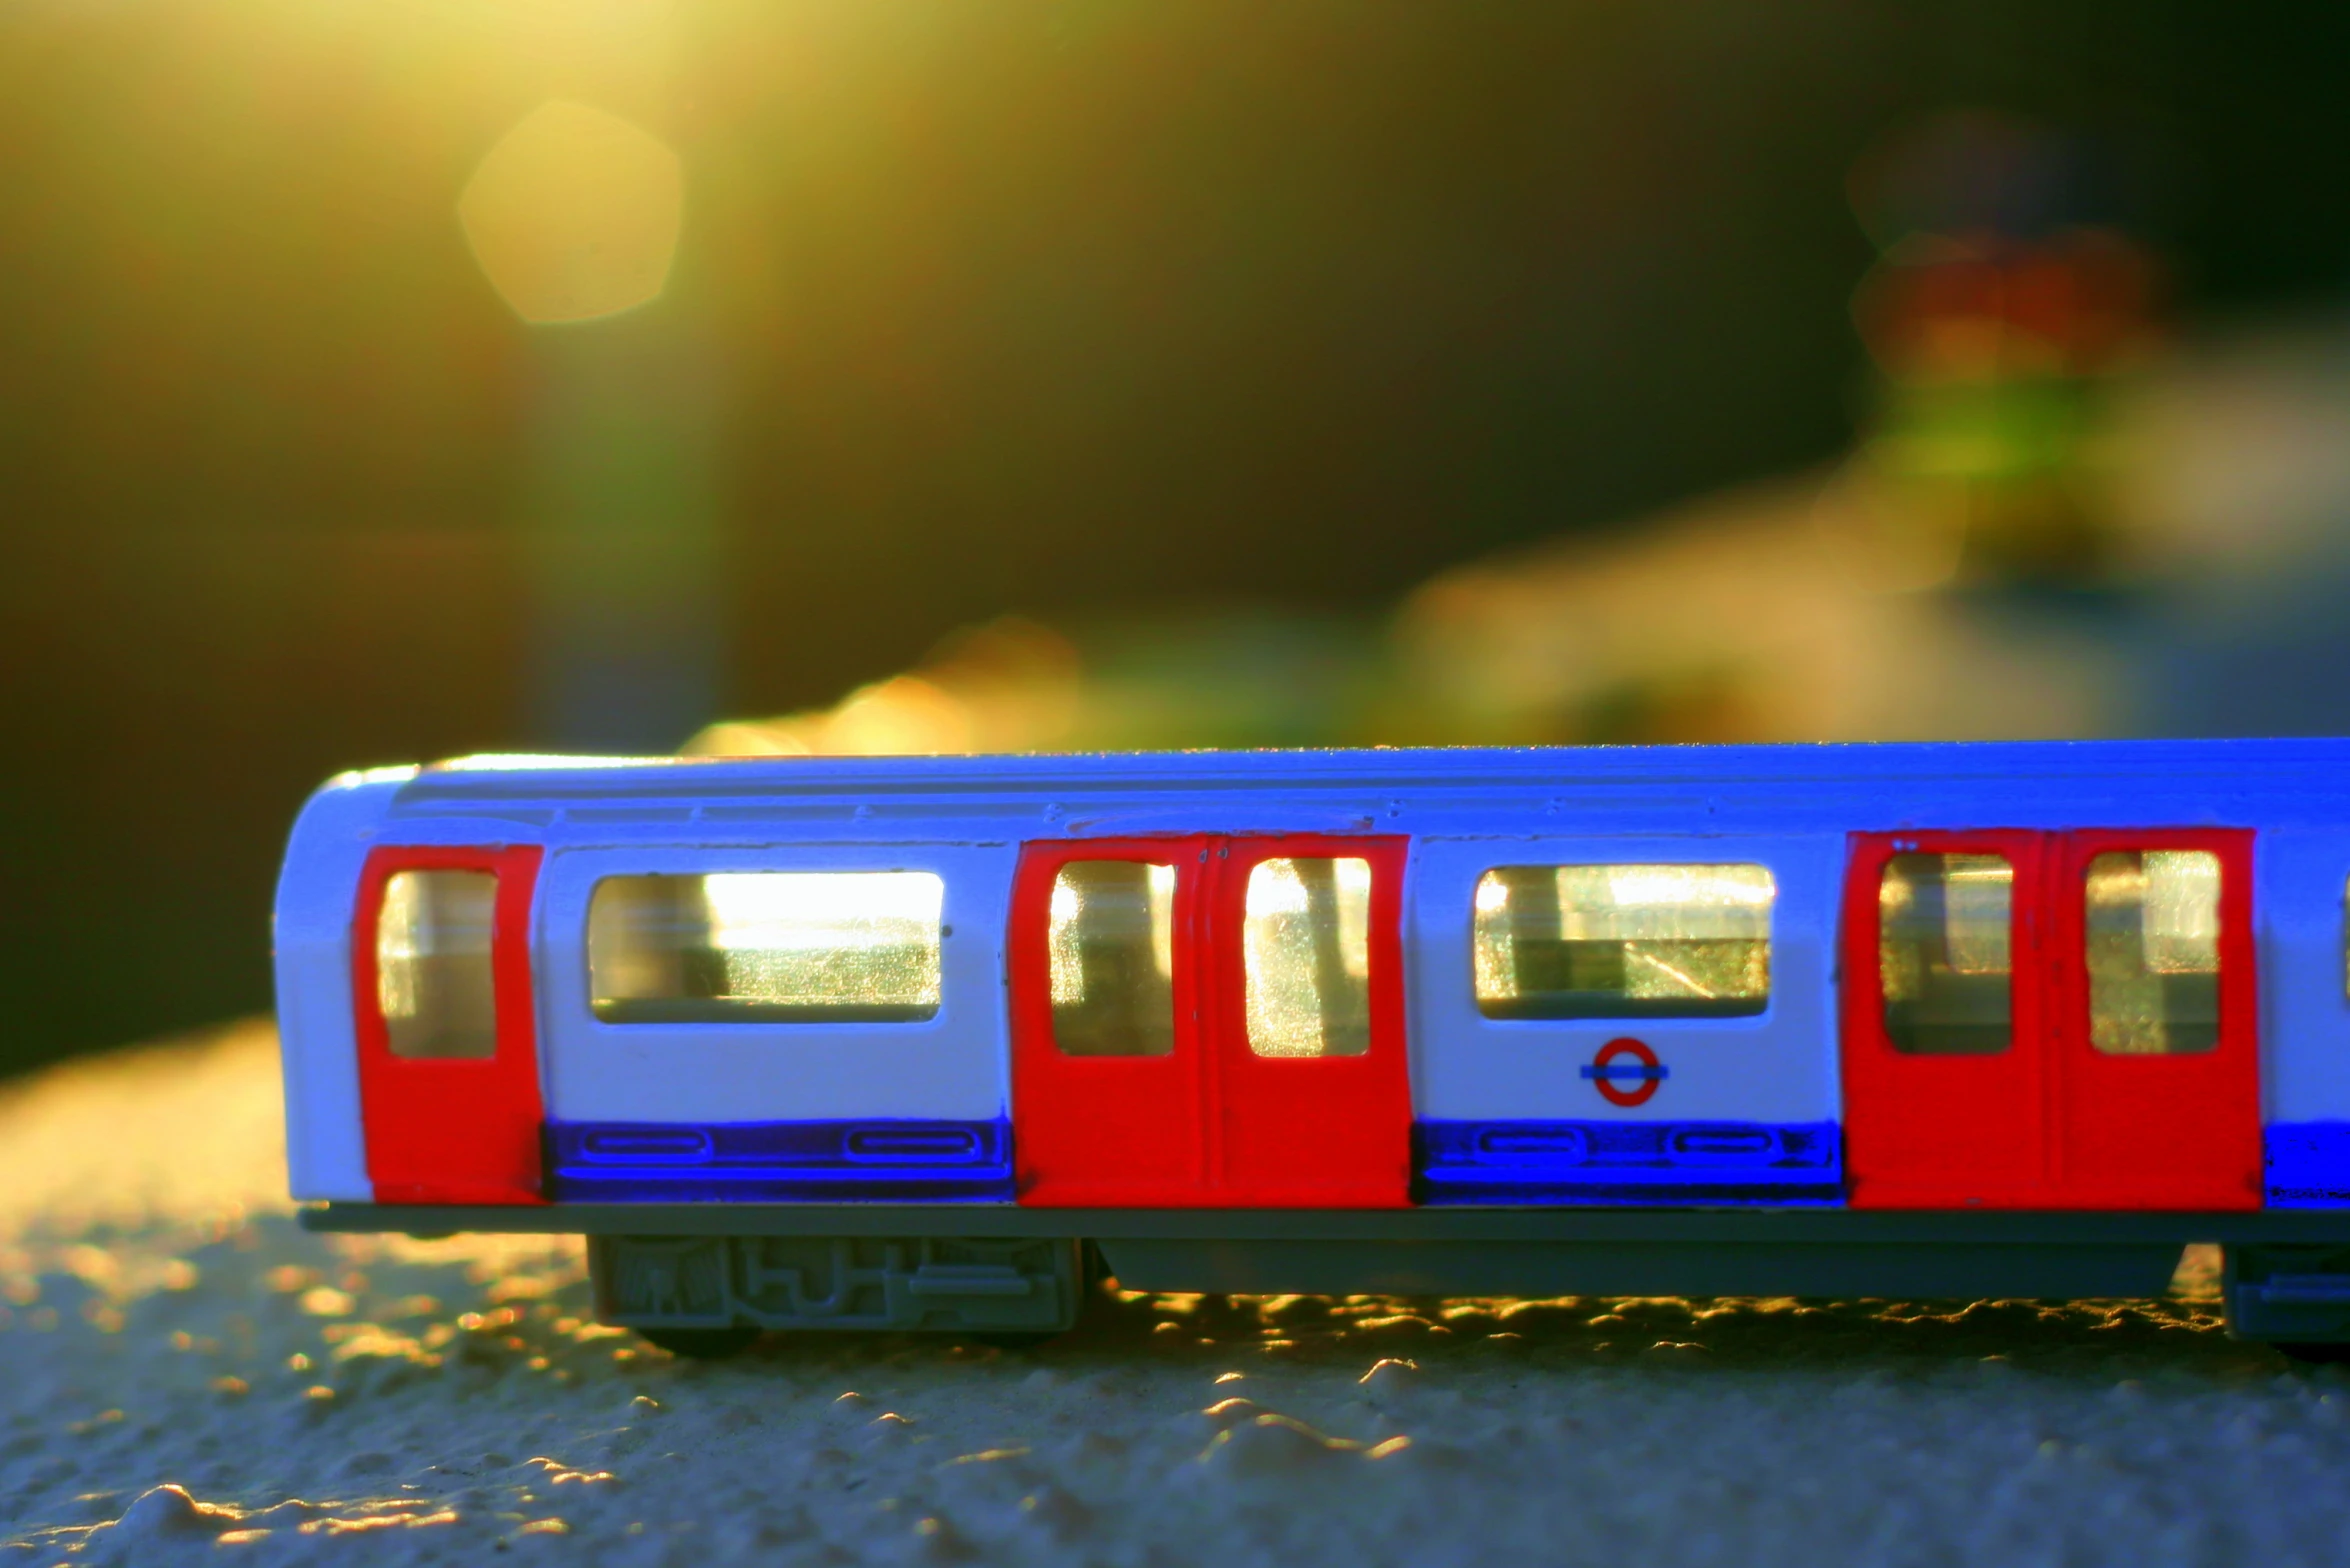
915,1042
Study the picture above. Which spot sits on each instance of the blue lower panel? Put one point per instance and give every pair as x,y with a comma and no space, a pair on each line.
2308,1165
780,1162
1629,1162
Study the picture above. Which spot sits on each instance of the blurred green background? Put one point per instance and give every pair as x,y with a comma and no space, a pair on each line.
1132,373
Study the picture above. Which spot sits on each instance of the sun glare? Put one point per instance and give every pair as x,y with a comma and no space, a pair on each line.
574,214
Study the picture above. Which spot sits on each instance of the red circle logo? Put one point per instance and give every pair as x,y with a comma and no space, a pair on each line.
1628,1085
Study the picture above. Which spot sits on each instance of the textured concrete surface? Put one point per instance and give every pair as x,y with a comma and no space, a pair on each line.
186,1377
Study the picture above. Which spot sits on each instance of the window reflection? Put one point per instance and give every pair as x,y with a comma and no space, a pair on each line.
766,947
1629,941
1307,952
433,975
1945,950
1112,948
2153,951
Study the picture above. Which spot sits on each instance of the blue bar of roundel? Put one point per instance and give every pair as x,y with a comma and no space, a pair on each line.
1607,1162
780,1162
2308,1165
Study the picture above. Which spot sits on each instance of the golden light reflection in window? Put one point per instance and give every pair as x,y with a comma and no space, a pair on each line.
1112,948
1629,941
1945,946
767,947
1306,945
574,214
2153,951
433,975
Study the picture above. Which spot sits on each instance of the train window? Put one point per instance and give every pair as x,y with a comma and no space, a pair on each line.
2153,952
1112,946
432,964
766,947
1653,941
1945,953
1306,948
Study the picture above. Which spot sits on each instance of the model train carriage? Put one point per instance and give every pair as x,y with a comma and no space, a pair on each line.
893,1042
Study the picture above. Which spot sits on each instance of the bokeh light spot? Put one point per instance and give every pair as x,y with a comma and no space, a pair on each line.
574,214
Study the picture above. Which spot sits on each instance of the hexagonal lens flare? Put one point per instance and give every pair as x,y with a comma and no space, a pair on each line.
574,214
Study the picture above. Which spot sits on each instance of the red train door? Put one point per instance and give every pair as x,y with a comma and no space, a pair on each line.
2036,1020
1311,1101
1211,1022
448,1061
2157,1101
1108,1096
1943,1039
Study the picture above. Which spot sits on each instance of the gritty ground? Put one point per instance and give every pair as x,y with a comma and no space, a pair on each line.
187,1377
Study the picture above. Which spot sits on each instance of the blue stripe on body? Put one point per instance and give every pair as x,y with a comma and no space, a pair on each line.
1614,1162
780,1162
2308,1165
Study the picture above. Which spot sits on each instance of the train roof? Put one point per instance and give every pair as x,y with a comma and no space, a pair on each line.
1645,788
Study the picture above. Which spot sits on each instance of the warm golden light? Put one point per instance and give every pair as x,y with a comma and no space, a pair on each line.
1112,948
772,946
1623,941
574,214
1306,952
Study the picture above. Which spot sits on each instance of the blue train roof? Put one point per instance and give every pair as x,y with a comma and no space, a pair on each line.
1596,788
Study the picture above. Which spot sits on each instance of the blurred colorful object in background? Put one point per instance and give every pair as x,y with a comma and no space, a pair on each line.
386,382
2055,521
2008,300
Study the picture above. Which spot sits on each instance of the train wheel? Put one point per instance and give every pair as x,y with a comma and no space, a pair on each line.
702,1344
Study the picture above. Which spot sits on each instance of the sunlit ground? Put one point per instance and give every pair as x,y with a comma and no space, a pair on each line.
164,1324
